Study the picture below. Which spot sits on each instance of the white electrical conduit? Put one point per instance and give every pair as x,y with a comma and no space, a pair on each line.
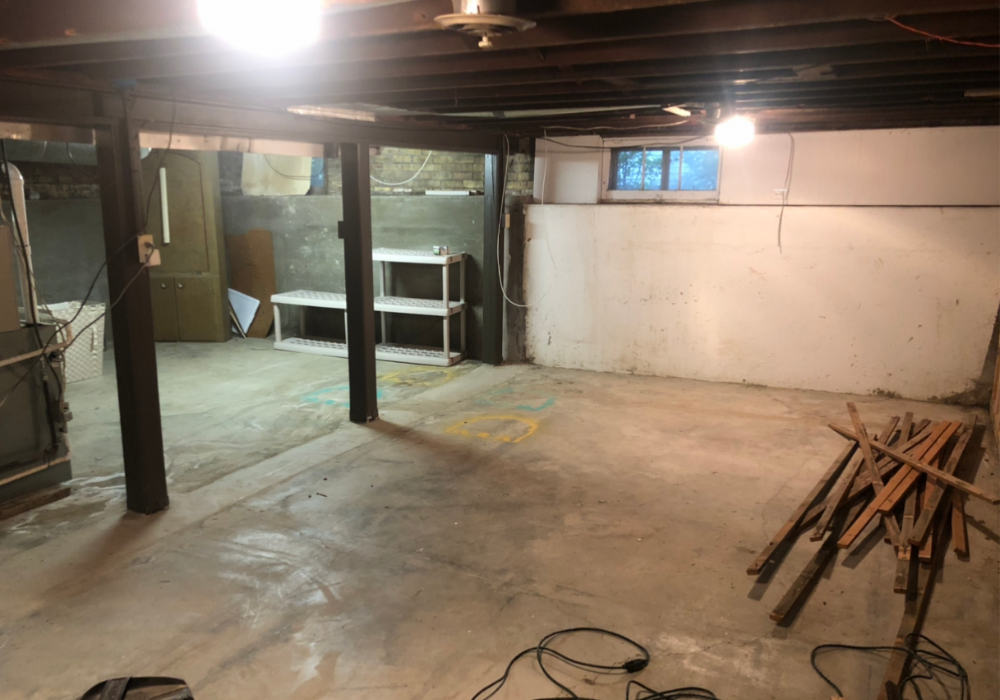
164,211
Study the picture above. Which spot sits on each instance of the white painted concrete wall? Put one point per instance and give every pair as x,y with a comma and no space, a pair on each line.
865,297
918,167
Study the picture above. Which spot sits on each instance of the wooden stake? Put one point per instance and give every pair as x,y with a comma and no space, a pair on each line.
891,526
793,521
959,529
936,493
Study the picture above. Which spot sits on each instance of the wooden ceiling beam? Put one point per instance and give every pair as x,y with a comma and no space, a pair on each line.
357,91
782,120
720,82
750,97
93,31
709,46
676,21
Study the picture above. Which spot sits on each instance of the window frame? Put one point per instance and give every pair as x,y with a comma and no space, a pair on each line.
614,146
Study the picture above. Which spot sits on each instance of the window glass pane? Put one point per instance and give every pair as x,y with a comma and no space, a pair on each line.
674,171
654,170
700,169
628,169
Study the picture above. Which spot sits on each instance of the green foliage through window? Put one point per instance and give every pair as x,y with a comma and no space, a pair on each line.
671,169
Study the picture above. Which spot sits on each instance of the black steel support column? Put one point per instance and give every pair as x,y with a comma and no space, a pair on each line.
356,230
492,295
123,213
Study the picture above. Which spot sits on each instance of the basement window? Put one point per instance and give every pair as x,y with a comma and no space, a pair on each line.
661,173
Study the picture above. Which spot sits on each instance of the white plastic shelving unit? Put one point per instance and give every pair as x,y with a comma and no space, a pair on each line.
444,307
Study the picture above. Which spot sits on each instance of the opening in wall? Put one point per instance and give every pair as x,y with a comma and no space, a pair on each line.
638,171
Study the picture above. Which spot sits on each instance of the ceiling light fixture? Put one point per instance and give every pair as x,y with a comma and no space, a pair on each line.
734,132
678,110
484,18
263,27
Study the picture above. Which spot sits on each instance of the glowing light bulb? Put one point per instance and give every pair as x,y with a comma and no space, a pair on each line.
735,132
263,27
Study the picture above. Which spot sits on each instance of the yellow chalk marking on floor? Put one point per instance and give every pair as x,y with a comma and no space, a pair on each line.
511,424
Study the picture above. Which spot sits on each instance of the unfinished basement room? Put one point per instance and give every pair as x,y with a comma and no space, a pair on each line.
499,349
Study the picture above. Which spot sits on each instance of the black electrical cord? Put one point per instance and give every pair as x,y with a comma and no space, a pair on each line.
937,661
543,649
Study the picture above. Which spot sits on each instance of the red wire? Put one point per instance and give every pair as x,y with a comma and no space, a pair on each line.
940,38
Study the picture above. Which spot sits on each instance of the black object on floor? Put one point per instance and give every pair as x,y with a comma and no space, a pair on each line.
634,665
148,688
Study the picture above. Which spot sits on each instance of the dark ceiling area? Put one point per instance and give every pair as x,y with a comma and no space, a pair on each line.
790,64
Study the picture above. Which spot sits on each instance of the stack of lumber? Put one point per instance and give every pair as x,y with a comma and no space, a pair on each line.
905,478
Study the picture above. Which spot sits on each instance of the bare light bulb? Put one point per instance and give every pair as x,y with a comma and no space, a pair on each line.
735,132
263,27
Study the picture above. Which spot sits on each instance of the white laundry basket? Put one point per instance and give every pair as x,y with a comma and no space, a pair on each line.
84,359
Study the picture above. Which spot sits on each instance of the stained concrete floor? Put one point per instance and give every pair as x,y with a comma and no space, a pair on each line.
305,557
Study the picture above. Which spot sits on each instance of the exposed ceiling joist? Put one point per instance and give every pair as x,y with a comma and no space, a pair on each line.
852,33
675,21
788,61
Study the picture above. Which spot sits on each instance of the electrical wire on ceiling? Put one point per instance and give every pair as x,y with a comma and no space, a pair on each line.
302,178
937,37
655,142
409,180
619,128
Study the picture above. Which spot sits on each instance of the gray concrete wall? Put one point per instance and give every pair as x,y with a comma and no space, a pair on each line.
67,248
308,254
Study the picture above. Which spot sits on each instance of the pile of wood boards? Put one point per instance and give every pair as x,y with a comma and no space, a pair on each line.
907,478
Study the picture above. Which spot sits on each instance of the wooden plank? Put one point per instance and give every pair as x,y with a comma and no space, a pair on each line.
837,498
932,457
894,484
888,520
886,465
948,479
926,550
251,268
936,493
796,517
840,493
924,447
30,501
914,611
904,564
959,528
909,478
904,553
796,593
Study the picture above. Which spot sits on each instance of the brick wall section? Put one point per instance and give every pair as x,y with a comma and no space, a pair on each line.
444,171
56,181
